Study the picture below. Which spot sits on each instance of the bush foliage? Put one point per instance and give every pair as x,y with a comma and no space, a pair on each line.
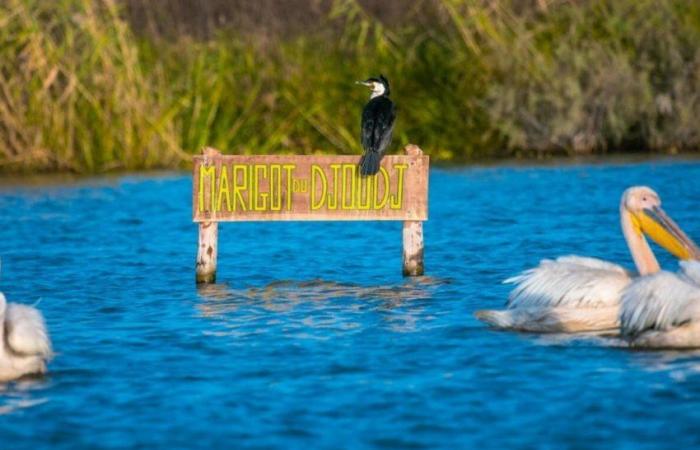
82,90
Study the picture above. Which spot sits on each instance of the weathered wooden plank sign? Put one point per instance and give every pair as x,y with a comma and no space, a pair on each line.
296,187
248,188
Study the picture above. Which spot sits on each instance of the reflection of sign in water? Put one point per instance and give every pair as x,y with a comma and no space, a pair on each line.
230,188
294,187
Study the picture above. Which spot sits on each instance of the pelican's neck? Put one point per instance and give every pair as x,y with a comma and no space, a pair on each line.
641,252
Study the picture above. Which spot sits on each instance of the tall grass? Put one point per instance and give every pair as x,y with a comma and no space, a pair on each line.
73,93
80,90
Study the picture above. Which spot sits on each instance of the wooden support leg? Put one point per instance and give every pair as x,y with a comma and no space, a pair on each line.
413,248
206,252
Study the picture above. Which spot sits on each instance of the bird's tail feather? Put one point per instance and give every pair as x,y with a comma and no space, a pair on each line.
499,319
369,163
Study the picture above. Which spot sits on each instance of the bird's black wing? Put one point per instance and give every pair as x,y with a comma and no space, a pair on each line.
377,124
368,122
385,135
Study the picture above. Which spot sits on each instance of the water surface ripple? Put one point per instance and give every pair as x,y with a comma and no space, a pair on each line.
312,339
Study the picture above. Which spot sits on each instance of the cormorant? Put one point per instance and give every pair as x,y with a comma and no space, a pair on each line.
377,124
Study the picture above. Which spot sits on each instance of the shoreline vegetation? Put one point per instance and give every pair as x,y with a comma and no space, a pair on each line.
121,85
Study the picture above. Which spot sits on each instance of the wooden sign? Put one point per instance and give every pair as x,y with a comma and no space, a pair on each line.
295,187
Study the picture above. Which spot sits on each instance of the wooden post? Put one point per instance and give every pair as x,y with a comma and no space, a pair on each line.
207,250
413,265
413,248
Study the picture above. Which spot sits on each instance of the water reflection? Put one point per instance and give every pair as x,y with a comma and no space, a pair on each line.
21,394
322,303
680,364
601,339
284,295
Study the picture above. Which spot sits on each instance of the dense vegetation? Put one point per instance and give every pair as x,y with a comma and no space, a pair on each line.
92,86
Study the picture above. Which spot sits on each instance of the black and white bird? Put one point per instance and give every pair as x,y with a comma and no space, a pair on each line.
377,124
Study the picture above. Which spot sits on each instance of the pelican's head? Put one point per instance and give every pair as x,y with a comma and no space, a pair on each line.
379,85
643,209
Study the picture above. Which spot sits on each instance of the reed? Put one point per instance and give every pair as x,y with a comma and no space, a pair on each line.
82,90
74,93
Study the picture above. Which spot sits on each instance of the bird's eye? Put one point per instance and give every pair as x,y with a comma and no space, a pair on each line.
644,199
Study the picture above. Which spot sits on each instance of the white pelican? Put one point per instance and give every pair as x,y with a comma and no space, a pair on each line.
663,310
578,294
24,342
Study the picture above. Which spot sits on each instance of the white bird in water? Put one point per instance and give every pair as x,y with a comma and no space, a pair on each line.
24,342
577,294
663,310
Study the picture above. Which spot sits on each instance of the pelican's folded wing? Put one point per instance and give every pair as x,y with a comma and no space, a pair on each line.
26,331
571,281
660,302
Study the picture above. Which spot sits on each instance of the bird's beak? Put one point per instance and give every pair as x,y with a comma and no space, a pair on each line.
663,230
364,83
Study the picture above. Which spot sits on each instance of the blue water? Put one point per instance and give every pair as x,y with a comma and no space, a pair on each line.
312,339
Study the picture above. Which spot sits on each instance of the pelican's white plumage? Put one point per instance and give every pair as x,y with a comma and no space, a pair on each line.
663,310
578,294
24,342
569,281
569,294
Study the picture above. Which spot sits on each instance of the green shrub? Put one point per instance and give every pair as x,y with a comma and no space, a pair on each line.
81,91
